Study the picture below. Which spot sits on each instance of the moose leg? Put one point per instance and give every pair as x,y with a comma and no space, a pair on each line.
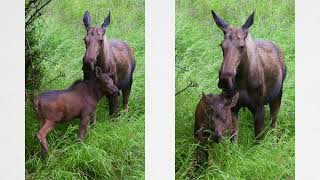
259,121
274,110
42,134
84,122
126,94
113,105
201,154
93,117
41,121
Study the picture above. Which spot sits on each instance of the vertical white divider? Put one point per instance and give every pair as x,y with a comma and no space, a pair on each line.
160,88
12,90
307,121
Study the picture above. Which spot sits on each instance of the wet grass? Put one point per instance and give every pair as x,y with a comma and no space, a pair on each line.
199,57
113,149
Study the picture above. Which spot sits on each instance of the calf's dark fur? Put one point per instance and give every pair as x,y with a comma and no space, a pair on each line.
78,101
213,113
213,118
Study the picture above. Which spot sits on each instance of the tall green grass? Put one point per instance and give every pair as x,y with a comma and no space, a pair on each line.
113,149
199,57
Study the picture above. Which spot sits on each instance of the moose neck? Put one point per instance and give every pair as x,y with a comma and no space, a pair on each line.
104,53
249,60
94,89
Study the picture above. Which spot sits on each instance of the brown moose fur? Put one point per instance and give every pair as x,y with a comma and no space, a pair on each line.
255,69
213,113
78,101
213,118
114,57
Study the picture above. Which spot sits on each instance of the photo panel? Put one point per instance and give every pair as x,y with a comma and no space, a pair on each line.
84,89
235,90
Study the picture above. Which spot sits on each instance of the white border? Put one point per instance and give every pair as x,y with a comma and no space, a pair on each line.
307,89
12,90
160,85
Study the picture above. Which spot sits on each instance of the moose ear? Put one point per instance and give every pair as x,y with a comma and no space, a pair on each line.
86,20
249,21
203,95
207,98
219,21
106,22
233,101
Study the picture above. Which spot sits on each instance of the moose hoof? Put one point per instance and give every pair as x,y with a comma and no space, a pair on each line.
81,138
126,108
274,125
43,153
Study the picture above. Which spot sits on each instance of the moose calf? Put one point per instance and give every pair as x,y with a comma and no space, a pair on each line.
79,100
213,113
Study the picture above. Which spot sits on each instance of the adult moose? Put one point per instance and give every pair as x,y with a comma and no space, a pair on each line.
254,68
113,57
